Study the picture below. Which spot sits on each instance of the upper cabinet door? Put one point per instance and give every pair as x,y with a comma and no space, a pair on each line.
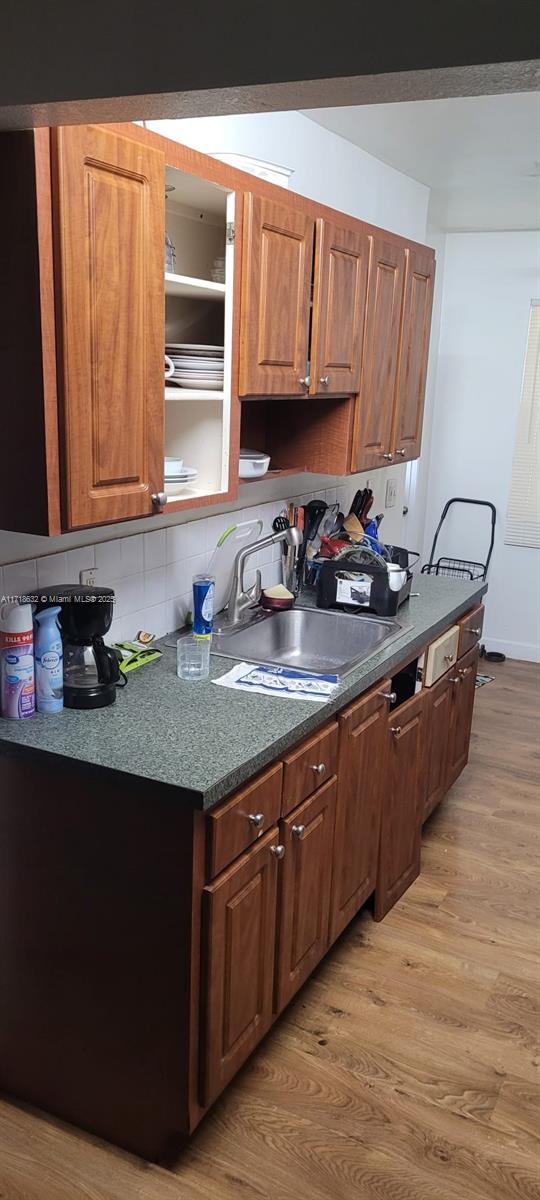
110,227
377,388
411,384
276,292
339,305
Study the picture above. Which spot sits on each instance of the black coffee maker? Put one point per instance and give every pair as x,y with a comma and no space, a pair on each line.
91,669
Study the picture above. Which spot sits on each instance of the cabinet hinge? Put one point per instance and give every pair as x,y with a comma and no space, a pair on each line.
230,231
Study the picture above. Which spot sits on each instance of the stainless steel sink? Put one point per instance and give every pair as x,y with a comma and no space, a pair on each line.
307,639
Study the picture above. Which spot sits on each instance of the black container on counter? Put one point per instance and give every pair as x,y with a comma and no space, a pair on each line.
370,591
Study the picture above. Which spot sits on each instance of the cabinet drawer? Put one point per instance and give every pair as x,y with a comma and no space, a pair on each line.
310,765
470,629
235,825
441,655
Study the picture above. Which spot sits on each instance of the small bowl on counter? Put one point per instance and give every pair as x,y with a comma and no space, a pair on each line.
253,464
275,603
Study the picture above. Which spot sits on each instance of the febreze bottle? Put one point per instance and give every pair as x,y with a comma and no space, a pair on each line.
17,689
49,661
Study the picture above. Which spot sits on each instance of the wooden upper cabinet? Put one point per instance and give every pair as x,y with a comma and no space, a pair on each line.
403,805
406,435
339,305
110,229
375,405
276,294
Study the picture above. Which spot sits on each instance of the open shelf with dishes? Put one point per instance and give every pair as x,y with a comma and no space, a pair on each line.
198,336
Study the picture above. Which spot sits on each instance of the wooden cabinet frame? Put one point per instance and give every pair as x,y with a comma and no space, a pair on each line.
29,213
170,952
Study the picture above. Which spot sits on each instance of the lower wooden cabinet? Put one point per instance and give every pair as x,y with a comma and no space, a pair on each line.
461,715
304,890
353,798
361,784
450,711
439,708
402,803
238,962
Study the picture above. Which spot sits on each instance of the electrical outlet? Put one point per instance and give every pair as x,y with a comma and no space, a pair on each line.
87,577
391,493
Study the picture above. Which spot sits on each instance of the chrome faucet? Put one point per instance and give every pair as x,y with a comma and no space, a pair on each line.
241,600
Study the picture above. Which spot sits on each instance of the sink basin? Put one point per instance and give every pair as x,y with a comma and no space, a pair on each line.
307,639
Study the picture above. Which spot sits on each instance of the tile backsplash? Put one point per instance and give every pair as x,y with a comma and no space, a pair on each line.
151,572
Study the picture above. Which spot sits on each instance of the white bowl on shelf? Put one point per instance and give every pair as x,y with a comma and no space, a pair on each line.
253,464
174,466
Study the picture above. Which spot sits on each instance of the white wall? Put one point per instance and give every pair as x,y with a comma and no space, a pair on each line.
327,168
489,281
150,562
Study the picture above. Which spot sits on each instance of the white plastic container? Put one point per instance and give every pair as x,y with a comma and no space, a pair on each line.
17,686
253,464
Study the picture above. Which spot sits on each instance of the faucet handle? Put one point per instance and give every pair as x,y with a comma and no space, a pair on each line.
254,592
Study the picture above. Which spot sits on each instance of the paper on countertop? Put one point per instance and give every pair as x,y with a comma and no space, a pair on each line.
279,681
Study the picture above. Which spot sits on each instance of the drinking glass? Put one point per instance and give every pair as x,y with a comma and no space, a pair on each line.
193,658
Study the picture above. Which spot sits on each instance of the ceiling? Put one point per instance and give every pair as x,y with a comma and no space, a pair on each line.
479,155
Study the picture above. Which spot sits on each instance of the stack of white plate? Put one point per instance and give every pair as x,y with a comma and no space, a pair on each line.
199,367
178,473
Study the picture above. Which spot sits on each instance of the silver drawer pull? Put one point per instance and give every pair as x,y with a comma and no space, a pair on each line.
319,768
456,679
299,831
475,632
390,696
278,851
256,819
396,730
449,658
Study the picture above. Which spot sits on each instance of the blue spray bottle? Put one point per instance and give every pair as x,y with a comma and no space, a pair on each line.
49,661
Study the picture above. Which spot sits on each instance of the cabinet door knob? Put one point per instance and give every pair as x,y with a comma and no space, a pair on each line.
306,381
455,679
387,457
159,499
299,831
401,453
475,632
449,658
278,851
257,820
325,379
390,696
396,730
319,768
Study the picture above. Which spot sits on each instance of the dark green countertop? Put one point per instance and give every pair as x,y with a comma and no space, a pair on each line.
205,741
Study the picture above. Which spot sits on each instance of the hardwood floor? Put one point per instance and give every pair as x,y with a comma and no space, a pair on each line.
407,1069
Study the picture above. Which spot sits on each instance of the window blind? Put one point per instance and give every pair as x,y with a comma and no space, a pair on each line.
523,515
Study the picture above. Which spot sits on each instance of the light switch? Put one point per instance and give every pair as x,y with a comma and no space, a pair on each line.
391,493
